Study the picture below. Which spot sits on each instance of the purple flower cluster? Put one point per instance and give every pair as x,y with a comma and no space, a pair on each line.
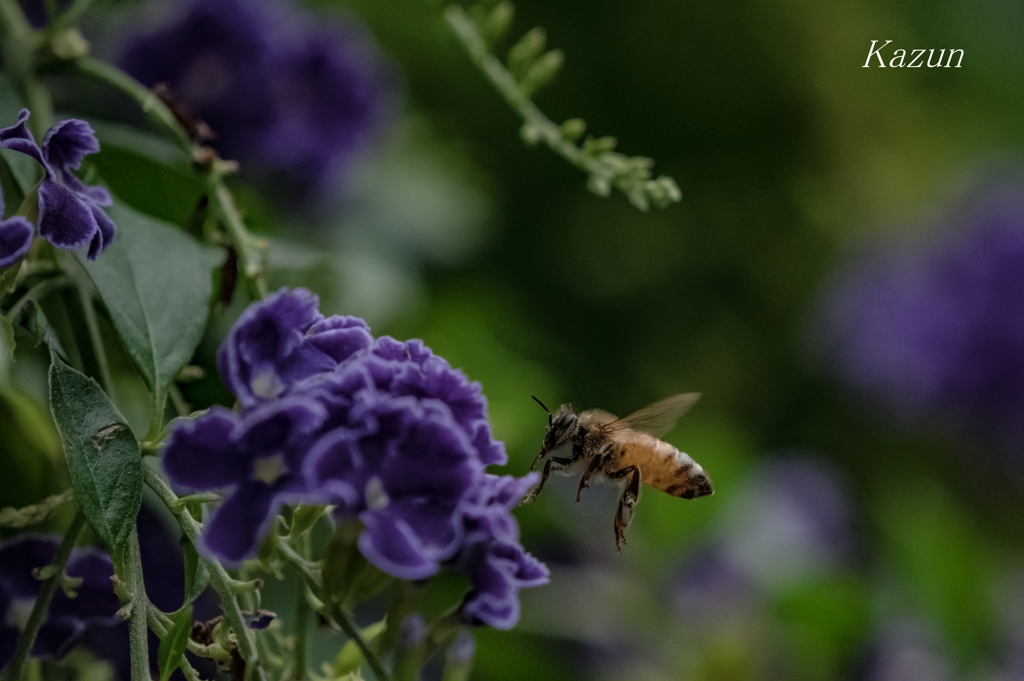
70,213
67,619
386,431
937,332
291,98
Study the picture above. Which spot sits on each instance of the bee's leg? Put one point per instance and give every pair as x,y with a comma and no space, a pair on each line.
595,463
555,463
630,495
537,458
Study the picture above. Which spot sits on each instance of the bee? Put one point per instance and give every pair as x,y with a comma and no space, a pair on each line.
626,450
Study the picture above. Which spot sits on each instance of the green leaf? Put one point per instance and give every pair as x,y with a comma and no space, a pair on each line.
104,462
350,658
146,172
173,644
7,277
524,52
156,283
6,348
197,575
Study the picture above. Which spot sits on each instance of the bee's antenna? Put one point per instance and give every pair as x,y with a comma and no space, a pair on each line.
542,405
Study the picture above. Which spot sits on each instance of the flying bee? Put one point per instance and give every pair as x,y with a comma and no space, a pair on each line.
626,449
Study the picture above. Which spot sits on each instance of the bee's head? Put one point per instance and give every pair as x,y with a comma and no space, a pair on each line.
561,427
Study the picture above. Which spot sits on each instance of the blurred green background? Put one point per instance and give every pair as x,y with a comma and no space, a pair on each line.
788,154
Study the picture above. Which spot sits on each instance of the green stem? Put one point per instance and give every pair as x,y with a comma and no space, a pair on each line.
43,598
37,293
96,338
350,629
138,630
476,47
157,402
631,176
219,578
17,46
73,13
251,249
150,104
301,564
302,610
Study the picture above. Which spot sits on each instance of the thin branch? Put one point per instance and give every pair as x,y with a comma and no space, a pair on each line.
220,580
150,104
96,338
37,293
605,168
138,629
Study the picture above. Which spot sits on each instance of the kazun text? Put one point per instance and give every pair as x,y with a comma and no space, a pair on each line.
916,58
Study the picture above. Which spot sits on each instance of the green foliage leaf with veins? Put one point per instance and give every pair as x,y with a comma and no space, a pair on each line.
103,456
159,310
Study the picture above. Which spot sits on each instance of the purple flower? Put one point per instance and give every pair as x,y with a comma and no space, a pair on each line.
937,331
284,340
497,564
261,619
16,235
67,619
70,213
292,98
257,456
386,431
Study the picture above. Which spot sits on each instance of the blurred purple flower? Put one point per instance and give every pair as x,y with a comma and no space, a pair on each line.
384,430
907,651
792,520
937,331
710,586
70,213
67,619
162,565
292,98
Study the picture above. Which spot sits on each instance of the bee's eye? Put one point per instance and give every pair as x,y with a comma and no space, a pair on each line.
565,422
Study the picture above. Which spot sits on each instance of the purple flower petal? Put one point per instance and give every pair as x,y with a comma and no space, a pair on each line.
64,147
260,619
19,138
336,466
233,532
340,337
265,351
15,239
64,219
201,455
392,545
275,425
104,235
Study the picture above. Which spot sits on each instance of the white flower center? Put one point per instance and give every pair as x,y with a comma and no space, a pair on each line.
266,384
269,468
376,497
18,612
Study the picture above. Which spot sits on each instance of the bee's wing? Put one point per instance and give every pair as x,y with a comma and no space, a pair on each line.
659,418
